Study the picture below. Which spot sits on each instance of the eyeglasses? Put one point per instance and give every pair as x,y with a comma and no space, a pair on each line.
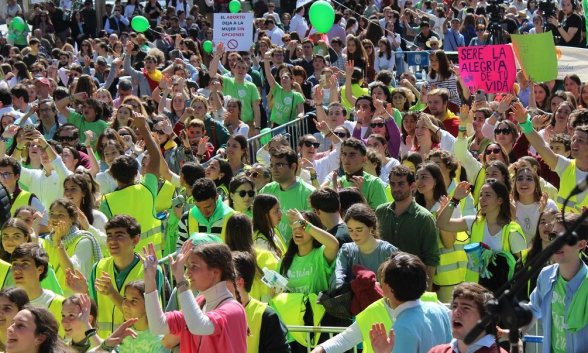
373,125
278,165
67,138
249,193
311,144
495,150
342,135
6,175
503,131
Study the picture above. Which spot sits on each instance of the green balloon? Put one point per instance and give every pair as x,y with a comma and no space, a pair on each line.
234,6
207,46
18,24
322,16
139,24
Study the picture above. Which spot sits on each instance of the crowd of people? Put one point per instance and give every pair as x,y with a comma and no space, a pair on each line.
147,215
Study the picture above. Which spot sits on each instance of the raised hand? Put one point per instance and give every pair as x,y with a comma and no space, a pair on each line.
76,281
381,341
85,305
349,67
520,112
121,333
178,264
462,190
104,285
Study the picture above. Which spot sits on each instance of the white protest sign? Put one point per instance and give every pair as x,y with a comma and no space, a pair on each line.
572,61
234,30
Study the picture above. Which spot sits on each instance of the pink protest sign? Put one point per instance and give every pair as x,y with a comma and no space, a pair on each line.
490,68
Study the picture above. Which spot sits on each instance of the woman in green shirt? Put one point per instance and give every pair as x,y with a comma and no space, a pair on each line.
287,103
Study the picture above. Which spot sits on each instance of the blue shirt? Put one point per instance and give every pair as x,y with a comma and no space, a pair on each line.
540,304
420,326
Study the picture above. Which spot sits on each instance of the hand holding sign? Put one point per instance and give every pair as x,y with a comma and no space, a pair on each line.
490,68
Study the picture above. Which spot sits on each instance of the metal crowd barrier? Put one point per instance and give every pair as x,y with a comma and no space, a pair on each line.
295,129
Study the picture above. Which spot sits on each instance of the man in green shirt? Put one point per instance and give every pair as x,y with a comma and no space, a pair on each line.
353,158
240,89
407,225
292,192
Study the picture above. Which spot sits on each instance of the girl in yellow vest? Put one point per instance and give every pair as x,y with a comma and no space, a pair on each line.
16,232
67,245
239,237
221,173
12,300
266,217
241,194
453,260
494,224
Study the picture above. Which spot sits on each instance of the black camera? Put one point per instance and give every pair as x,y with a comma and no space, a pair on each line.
547,8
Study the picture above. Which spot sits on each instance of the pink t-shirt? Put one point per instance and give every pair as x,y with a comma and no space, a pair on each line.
230,330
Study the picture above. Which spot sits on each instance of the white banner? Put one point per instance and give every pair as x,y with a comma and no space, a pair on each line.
234,30
572,61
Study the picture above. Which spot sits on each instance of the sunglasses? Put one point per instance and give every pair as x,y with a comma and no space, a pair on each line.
373,125
250,193
495,150
504,131
252,174
342,135
159,132
311,144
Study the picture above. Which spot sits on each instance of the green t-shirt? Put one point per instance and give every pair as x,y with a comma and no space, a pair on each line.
373,189
357,92
246,92
558,314
296,196
145,342
309,273
97,127
285,105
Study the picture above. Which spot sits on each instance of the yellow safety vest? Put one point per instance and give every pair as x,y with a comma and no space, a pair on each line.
478,183
376,313
278,240
264,258
24,198
567,183
137,201
54,261
54,308
291,308
478,235
453,262
254,312
165,194
4,269
109,316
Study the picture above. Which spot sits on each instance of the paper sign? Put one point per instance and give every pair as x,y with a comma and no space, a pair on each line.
572,60
234,30
490,68
539,68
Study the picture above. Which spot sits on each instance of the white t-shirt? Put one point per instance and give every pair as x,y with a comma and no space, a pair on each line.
44,300
528,217
494,241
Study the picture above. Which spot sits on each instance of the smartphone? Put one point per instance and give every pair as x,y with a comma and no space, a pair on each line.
480,96
28,127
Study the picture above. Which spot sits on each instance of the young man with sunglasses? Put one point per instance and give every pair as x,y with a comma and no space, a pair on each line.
559,299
